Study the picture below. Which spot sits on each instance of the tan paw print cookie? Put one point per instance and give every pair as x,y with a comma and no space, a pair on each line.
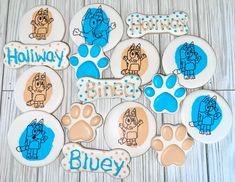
173,145
81,122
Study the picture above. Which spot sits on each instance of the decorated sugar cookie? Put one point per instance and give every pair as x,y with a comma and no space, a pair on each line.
126,88
53,55
35,138
207,116
135,57
90,61
97,24
41,25
192,59
130,126
140,24
39,88
114,162
165,93
173,145
81,122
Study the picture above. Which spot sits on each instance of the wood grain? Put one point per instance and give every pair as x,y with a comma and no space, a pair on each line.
212,20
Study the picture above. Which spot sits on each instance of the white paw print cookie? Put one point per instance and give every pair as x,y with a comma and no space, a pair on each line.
81,122
173,145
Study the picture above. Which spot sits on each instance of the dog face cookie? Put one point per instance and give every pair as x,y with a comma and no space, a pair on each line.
135,57
81,122
39,88
113,162
140,24
97,24
41,25
192,59
207,116
53,55
35,138
130,126
126,88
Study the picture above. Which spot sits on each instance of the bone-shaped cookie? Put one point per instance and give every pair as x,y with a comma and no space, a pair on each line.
53,55
113,162
126,88
140,24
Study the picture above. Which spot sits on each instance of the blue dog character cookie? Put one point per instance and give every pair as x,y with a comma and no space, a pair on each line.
192,59
35,138
97,24
207,116
90,61
165,93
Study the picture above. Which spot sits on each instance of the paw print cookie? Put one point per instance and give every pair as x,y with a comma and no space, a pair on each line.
165,93
90,61
173,145
81,122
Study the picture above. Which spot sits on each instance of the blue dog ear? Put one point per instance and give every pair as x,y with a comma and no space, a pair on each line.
88,14
33,122
41,121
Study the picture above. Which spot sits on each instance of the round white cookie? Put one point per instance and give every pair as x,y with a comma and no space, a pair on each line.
35,138
192,59
39,88
97,24
41,25
135,57
130,126
207,116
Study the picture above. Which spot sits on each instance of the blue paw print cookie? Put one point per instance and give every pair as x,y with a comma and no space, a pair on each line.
165,93
90,61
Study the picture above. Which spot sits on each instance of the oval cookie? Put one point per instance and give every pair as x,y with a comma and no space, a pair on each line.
130,126
35,138
41,25
135,57
97,24
39,88
207,116
192,59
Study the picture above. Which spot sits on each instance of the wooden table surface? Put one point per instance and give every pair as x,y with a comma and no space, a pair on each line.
213,20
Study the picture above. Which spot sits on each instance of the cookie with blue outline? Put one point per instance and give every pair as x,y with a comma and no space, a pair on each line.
35,138
207,116
90,61
97,24
192,59
165,93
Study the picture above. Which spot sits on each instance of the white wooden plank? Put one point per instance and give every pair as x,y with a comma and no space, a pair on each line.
16,10
216,24
221,155
3,29
10,169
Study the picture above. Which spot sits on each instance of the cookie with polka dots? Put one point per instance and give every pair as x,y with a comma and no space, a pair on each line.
127,88
114,162
140,24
